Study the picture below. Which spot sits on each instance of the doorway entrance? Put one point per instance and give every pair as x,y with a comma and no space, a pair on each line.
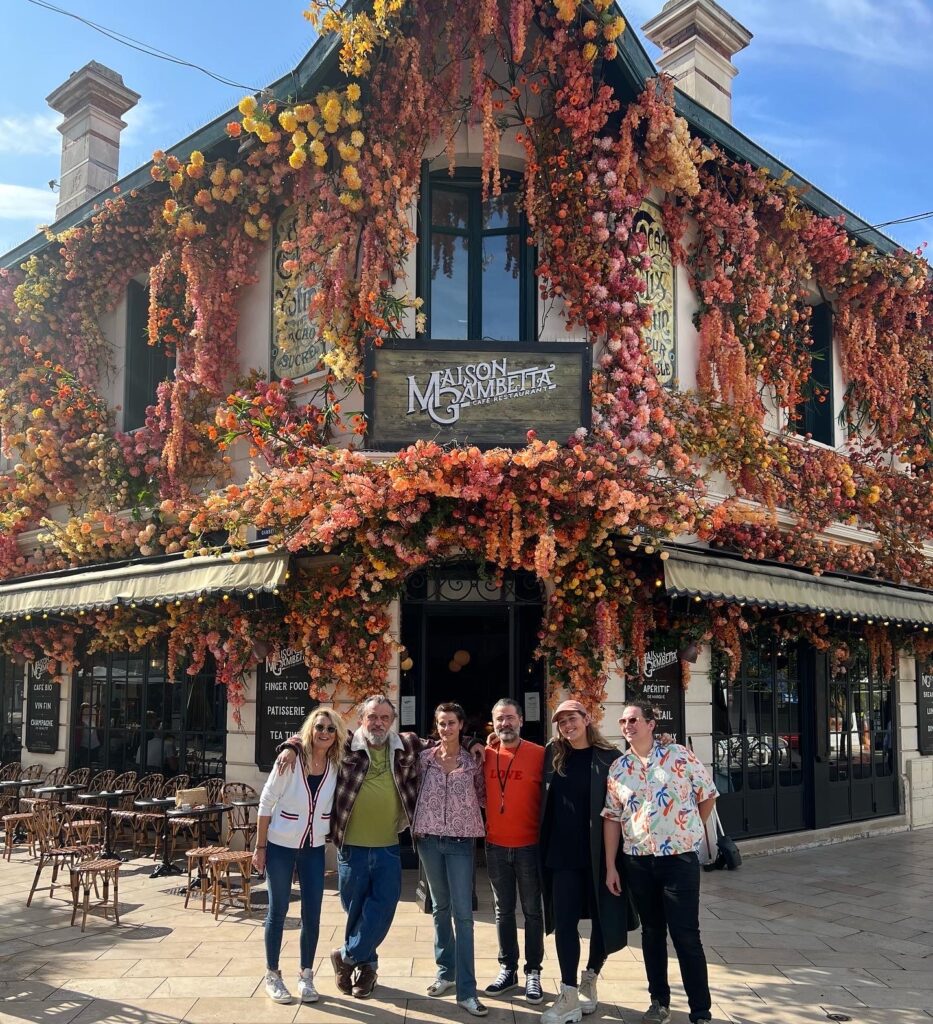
471,640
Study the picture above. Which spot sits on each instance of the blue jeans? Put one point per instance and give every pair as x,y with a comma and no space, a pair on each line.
370,880
512,867
280,864
448,865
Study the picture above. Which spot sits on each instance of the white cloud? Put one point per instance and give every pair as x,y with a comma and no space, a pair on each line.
30,134
23,203
888,32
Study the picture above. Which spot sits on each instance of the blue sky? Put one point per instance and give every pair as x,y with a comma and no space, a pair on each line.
838,89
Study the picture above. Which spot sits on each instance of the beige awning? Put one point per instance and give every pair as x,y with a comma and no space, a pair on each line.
146,583
699,574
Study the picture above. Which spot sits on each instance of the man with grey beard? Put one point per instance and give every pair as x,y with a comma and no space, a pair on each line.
514,770
377,790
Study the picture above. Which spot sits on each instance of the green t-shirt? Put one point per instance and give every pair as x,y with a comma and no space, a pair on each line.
376,810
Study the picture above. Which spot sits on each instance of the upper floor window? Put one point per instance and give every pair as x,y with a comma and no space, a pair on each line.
476,271
814,415
146,365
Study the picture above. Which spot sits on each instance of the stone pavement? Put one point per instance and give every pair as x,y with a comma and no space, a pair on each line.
791,938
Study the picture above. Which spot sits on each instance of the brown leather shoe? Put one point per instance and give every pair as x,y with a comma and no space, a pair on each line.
343,972
365,981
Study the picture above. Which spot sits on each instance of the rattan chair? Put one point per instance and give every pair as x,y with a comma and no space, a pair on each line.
148,787
198,859
45,826
12,823
227,868
239,819
86,874
101,782
154,820
55,777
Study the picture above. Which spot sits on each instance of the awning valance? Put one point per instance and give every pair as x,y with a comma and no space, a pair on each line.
699,574
146,583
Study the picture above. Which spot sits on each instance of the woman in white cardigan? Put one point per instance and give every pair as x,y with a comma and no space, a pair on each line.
294,819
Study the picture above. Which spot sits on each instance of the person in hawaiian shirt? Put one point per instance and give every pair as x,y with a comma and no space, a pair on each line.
658,799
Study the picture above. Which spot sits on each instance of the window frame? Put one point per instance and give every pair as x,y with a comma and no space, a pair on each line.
151,363
811,416
467,181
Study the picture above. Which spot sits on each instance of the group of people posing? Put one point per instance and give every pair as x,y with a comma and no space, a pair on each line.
574,830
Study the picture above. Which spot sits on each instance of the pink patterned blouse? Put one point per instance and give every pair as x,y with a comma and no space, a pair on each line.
449,805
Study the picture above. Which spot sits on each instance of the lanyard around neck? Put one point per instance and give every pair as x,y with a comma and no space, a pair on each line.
503,782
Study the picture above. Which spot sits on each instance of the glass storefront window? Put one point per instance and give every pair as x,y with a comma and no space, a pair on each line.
130,717
11,711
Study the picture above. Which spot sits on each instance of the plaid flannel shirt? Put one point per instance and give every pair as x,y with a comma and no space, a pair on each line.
406,747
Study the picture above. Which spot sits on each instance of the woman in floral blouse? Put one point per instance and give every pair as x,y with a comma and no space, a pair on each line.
448,820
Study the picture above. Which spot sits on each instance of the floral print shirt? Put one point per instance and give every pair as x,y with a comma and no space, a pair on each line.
656,803
449,804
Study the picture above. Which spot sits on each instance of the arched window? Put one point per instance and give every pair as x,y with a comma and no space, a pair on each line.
476,270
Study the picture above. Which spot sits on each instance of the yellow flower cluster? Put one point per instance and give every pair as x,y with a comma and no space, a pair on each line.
359,32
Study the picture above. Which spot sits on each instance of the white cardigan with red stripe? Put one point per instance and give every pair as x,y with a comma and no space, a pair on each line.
296,815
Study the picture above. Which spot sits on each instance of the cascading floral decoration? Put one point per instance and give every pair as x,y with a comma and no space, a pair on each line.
349,159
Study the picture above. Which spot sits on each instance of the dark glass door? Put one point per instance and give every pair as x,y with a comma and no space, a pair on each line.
760,747
855,767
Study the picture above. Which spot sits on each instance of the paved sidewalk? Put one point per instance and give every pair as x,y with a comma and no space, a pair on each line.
791,939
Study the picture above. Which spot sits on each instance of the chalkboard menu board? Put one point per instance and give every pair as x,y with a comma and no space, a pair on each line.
43,697
925,705
661,685
282,702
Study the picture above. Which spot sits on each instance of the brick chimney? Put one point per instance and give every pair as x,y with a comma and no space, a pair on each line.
93,102
698,40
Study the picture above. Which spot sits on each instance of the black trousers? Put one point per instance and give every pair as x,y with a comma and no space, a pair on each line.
573,899
666,893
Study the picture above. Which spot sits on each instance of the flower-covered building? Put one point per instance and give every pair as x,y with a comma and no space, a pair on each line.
473,359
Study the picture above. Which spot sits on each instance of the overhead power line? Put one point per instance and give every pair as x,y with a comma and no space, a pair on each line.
137,44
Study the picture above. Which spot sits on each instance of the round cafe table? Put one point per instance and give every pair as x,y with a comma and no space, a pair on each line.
59,793
108,798
154,805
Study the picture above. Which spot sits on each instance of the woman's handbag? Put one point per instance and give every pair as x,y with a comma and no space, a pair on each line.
723,853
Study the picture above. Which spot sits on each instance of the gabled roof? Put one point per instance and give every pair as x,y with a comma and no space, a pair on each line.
634,64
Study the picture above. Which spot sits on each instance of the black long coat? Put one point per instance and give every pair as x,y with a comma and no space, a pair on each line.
616,914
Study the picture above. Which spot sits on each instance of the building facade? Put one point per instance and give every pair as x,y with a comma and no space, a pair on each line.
653,449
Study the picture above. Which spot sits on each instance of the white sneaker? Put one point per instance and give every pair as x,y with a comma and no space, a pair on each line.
473,1006
587,993
566,1010
307,993
440,987
275,988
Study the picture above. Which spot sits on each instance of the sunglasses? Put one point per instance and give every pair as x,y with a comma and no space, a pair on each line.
631,721
320,727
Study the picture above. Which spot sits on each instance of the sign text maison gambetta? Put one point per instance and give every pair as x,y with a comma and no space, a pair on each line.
444,392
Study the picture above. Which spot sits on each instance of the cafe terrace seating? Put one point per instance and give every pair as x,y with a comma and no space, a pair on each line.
148,787
239,820
46,828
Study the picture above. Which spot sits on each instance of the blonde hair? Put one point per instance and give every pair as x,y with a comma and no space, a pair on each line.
335,752
562,748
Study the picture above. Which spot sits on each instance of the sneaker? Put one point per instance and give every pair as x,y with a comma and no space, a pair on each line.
440,987
656,1014
275,988
566,1010
365,981
587,994
533,992
307,993
343,972
473,1006
505,981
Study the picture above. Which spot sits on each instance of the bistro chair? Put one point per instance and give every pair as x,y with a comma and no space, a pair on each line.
239,820
55,777
12,823
9,803
154,820
11,772
46,827
101,782
79,777
231,873
148,787
86,874
198,859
